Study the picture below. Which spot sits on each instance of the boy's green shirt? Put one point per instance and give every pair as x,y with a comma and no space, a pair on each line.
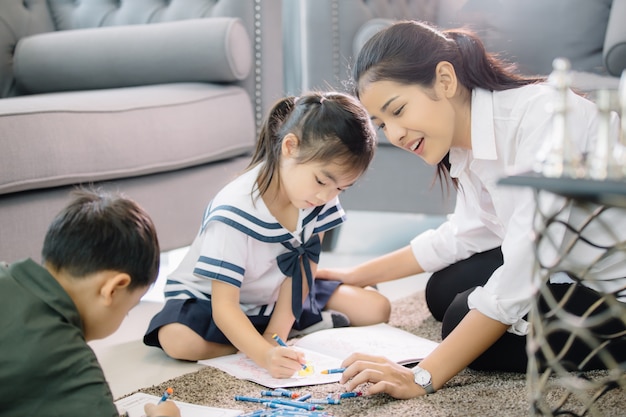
46,366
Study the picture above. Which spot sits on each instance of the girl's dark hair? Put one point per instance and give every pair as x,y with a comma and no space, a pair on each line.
331,127
408,53
99,231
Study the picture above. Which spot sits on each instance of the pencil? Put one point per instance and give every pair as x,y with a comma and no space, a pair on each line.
282,343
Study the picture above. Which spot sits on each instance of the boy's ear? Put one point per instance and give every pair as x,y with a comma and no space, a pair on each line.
446,78
289,147
114,282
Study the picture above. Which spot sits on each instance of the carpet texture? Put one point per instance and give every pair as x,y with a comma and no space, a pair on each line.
470,393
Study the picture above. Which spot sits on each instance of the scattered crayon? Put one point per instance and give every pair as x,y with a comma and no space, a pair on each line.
350,394
277,393
304,397
287,393
325,401
333,371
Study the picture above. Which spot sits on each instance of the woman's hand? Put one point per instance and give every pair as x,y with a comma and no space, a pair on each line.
345,275
398,264
166,408
283,362
384,375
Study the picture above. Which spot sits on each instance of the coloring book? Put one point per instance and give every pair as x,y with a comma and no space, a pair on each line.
133,406
326,349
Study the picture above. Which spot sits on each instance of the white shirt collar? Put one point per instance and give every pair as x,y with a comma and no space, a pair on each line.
483,137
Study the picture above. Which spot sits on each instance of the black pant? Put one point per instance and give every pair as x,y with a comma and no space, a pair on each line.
446,296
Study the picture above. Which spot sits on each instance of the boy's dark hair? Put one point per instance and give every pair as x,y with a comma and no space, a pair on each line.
408,52
332,127
101,231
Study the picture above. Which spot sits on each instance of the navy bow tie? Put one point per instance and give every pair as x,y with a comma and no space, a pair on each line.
290,264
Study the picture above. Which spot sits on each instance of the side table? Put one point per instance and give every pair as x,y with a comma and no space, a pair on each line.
557,388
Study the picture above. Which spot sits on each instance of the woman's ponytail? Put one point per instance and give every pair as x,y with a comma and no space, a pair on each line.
479,68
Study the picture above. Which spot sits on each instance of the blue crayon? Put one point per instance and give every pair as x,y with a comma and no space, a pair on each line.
333,371
304,397
250,399
350,394
267,393
325,401
282,343
280,393
257,413
298,404
166,395
299,413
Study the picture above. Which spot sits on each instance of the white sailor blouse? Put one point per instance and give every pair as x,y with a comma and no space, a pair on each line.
241,243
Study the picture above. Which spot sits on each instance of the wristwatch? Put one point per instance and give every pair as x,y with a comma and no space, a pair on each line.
423,379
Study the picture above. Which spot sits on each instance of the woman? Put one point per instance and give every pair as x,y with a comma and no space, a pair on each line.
440,95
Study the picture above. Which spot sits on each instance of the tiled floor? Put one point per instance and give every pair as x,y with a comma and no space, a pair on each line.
130,365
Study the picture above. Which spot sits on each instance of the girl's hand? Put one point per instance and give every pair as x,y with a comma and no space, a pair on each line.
283,362
166,408
385,375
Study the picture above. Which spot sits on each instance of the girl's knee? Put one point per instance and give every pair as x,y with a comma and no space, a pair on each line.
377,308
180,342
383,309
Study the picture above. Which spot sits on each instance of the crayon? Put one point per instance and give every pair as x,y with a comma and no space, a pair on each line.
255,413
304,397
276,393
250,399
325,401
350,394
291,403
282,343
333,371
287,393
166,395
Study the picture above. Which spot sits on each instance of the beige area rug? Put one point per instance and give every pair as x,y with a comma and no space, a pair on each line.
470,393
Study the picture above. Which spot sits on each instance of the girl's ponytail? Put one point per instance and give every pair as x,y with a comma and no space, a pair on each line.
268,145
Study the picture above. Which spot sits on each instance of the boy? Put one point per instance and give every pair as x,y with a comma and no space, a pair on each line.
100,256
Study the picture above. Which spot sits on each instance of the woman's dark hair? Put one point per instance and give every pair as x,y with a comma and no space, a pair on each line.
331,127
100,231
408,53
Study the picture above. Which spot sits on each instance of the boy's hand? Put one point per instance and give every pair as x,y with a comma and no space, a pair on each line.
283,362
165,409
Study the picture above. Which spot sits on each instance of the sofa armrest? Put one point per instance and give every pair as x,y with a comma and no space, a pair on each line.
204,50
614,51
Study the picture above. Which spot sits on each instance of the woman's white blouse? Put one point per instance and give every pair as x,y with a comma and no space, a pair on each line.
508,129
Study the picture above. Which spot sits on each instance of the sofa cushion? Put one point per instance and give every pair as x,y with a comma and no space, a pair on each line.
614,53
74,137
203,50
534,32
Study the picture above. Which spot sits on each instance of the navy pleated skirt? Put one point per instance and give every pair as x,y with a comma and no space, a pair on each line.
197,314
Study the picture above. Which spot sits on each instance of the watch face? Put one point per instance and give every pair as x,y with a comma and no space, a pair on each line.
422,377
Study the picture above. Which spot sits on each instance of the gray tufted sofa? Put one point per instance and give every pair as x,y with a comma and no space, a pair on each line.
160,99
326,35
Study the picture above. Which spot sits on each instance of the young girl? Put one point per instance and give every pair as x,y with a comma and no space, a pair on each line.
440,96
249,273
